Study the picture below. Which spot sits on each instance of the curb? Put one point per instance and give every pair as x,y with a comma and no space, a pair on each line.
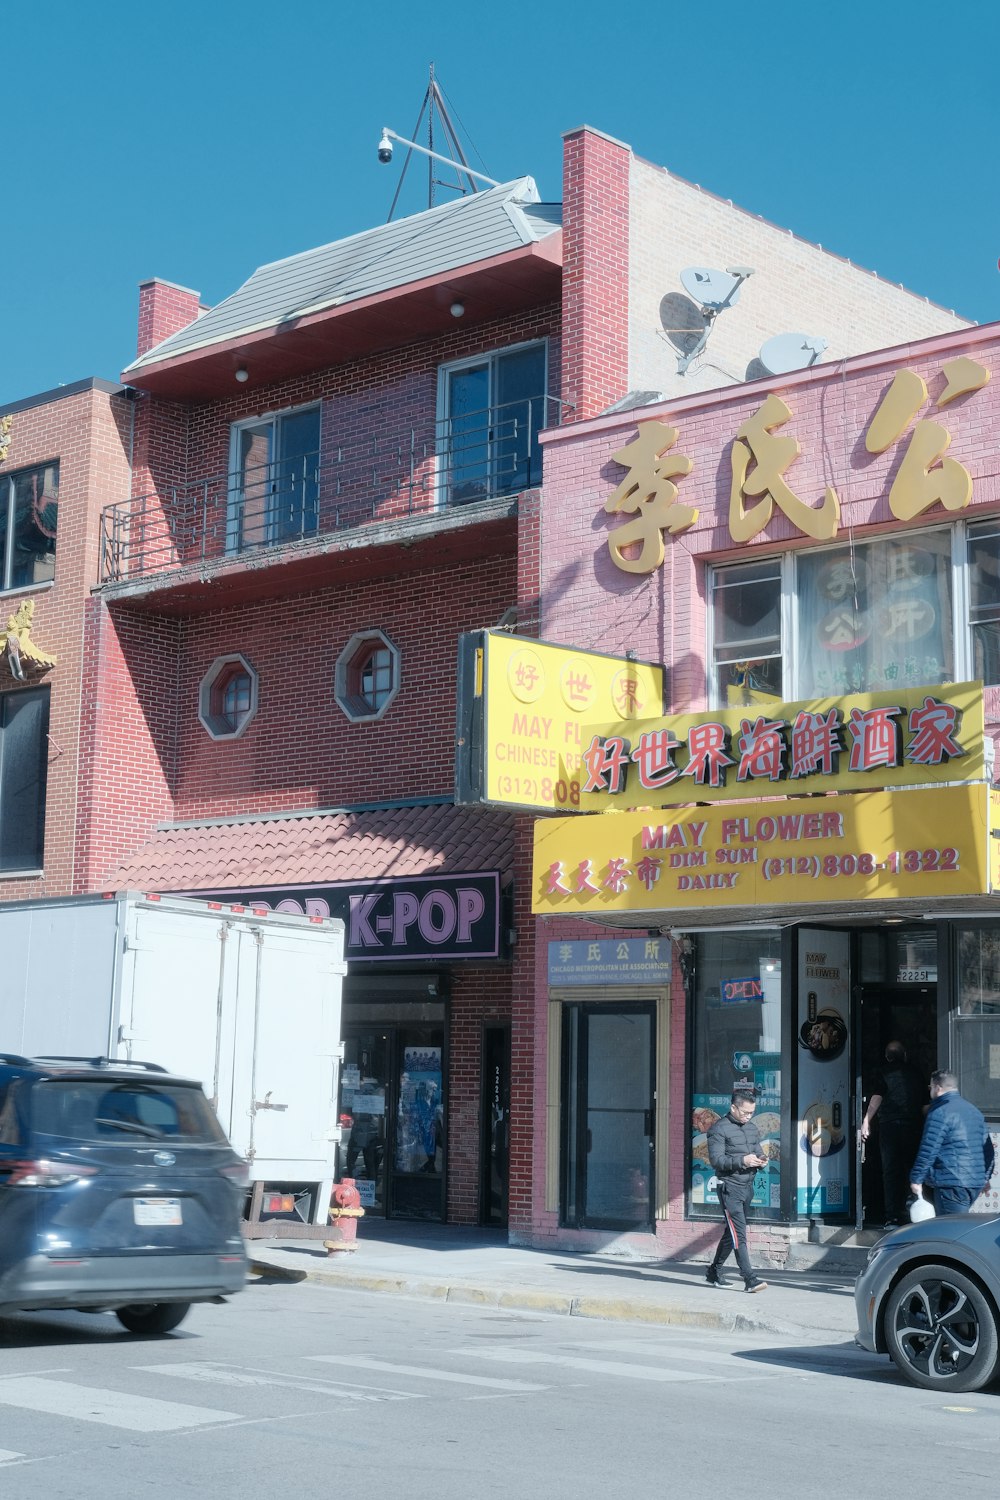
532,1299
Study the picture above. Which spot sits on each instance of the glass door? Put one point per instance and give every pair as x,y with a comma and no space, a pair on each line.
608,1113
492,412
392,1117
274,480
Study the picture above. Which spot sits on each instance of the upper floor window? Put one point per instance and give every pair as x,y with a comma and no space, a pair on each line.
490,412
862,618
984,599
367,675
29,506
274,479
24,727
746,603
228,697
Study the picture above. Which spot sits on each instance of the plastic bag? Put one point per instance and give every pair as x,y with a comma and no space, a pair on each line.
920,1209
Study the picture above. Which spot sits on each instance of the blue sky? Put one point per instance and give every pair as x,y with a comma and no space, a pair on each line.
195,141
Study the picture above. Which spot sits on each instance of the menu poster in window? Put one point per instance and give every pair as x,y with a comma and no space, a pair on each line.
419,1132
824,1018
705,1110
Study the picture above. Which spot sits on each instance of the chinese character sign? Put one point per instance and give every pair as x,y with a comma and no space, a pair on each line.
908,738
762,454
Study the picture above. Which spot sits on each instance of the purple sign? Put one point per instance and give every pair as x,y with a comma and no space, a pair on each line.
442,917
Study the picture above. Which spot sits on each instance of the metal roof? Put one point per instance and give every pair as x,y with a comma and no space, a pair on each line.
427,244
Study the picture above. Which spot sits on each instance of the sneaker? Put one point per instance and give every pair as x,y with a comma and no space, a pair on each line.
714,1277
757,1285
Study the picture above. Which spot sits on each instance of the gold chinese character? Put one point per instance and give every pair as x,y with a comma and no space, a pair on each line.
647,491
773,455
925,477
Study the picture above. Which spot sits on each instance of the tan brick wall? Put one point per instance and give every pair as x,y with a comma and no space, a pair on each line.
796,287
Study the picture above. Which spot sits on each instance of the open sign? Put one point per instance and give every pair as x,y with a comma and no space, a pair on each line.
739,991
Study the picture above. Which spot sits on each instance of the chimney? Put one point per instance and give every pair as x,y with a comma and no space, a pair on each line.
595,271
164,309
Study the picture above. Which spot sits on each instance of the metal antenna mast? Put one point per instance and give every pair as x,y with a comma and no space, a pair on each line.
434,101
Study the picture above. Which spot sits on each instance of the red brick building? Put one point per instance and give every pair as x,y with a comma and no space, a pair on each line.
319,485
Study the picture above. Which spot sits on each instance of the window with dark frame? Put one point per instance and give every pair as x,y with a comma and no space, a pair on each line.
24,726
29,509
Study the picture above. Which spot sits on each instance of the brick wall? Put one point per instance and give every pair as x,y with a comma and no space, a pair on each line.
478,996
796,287
88,431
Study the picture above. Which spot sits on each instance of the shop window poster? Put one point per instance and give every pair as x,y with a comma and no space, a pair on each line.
707,1108
420,1119
823,1134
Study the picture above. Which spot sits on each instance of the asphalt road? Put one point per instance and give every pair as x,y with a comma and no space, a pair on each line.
301,1389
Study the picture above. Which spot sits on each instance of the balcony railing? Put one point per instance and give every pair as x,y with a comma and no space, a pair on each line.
472,457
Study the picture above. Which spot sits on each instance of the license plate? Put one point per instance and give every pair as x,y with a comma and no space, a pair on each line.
157,1210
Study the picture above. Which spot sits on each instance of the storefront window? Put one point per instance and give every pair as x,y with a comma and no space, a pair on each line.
976,1018
736,1039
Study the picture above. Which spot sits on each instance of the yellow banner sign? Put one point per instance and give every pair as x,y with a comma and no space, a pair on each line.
543,705
911,738
876,845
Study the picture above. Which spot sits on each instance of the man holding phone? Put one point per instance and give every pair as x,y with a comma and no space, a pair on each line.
736,1154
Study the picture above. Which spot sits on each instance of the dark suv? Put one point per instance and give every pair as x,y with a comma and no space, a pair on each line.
118,1192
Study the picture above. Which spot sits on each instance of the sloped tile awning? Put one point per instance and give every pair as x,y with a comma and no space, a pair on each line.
319,848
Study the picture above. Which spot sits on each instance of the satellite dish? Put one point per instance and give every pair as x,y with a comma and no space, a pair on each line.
715,289
682,321
791,351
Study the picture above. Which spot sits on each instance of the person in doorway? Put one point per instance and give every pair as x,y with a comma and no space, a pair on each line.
898,1098
736,1153
955,1160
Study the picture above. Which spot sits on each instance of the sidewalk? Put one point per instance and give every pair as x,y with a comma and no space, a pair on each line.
478,1267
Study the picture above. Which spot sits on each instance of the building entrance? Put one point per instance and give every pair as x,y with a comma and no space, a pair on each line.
392,1112
896,1001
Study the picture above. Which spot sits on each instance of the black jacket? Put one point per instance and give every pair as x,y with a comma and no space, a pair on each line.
728,1143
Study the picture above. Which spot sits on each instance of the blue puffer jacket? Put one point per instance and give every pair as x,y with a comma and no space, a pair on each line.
956,1150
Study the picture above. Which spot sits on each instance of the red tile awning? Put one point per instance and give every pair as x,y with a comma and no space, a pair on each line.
320,848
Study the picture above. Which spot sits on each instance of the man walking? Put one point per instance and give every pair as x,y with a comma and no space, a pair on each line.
734,1149
899,1097
955,1160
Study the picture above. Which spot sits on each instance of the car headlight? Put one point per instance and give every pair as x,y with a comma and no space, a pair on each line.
875,1250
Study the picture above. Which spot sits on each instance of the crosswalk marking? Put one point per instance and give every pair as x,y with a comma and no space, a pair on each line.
227,1375
424,1372
61,1398
592,1366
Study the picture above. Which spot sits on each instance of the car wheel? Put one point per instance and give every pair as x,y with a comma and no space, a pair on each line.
941,1331
152,1317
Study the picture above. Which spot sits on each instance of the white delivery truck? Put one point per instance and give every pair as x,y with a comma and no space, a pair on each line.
246,1000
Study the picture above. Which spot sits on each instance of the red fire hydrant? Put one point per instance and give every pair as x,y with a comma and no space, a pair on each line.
345,1211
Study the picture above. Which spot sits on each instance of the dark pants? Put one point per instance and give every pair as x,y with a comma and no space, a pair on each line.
734,1197
899,1142
954,1200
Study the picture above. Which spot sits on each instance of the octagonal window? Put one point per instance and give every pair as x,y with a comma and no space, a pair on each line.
228,698
367,675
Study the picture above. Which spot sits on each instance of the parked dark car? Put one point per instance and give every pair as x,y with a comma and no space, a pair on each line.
930,1298
118,1192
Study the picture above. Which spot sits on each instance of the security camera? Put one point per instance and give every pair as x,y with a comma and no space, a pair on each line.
385,147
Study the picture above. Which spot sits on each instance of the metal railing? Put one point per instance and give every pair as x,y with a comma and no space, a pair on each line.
469,458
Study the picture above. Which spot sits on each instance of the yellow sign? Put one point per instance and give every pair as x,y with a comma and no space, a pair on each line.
542,705
910,738
884,846
760,457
